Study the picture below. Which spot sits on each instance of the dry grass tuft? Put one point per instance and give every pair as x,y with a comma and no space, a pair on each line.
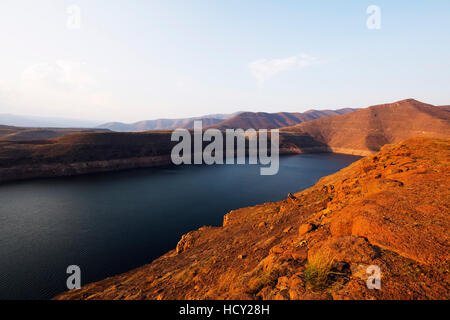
318,269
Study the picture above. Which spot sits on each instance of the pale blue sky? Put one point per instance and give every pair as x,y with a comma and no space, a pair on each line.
140,59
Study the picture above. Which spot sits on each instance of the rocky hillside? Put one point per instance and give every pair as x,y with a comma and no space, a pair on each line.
366,130
390,209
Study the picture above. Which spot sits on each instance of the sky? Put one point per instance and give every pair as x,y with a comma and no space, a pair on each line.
131,60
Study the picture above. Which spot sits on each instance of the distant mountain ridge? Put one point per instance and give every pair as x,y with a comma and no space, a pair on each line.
166,124
241,120
263,120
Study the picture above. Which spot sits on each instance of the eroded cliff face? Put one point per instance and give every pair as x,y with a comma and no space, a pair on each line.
83,153
390,210
33,171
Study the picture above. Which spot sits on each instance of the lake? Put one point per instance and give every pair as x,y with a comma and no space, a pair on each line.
110,223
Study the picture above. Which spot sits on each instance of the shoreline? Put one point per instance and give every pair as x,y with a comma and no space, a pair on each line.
44,171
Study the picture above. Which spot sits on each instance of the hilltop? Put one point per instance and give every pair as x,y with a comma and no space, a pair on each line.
366,130
389,209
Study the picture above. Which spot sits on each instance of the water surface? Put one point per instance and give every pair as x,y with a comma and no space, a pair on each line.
110,223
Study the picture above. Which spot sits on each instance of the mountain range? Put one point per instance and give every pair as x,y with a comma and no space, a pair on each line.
361,132
243,120
166,124
34,128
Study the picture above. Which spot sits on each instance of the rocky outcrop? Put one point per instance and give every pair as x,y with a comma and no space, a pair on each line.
388,211
187,241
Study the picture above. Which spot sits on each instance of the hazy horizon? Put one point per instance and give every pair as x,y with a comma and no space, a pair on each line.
118,61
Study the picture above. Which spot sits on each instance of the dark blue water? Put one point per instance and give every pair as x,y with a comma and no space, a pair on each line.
110,223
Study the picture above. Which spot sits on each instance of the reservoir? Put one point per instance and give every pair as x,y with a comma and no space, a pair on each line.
110,223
